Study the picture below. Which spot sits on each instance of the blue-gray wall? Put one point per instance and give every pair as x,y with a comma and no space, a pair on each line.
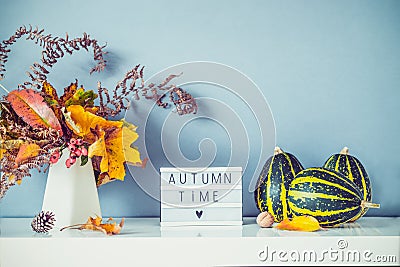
329,69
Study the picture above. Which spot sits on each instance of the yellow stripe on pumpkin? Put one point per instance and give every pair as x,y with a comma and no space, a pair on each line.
348,165
337,163
312,179
268,193
364,185
301,194
344,179
282,196
320,212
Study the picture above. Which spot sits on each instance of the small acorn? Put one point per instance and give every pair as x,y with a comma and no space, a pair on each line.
265,219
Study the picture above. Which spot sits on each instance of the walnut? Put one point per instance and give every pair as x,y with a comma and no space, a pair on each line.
265,219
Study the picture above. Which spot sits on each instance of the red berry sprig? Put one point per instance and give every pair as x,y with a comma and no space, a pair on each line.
76,149
55,156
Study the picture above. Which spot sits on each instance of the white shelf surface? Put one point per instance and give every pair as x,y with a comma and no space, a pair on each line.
142,242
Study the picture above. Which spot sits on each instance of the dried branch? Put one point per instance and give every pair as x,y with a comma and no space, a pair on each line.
183,101
54,48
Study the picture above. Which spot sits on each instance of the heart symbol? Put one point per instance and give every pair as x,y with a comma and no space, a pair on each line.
199,213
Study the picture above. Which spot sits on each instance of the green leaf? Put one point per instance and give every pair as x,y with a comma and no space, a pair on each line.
82,98
84,160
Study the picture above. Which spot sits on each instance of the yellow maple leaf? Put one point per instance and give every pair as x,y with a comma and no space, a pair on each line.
115,149
83,120
116,157
129,135
119,150
26,151
111,140
99,148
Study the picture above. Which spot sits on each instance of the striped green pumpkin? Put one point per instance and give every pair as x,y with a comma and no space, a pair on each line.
328,196
273,183
352,168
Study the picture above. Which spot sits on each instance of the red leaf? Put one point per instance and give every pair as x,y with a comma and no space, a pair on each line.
29,105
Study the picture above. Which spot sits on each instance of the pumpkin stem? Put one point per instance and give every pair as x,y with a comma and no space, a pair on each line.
344,151
366,204
277,150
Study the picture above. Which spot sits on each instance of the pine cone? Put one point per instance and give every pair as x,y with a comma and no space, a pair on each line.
43,222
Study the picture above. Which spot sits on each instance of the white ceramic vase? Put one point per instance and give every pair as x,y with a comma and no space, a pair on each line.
71,193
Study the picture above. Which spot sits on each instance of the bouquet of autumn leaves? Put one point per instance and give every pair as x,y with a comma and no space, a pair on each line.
36,127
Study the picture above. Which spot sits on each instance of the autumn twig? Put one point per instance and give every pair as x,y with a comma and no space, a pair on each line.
54,48
71,226
183,101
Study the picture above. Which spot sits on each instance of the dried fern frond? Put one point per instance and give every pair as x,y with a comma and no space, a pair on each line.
128,86
183,101
54,48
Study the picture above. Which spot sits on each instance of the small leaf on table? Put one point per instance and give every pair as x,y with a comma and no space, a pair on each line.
95,224
300,223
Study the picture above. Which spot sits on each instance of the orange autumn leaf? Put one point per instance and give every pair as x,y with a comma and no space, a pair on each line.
113,228
95,221
30,106
94,224
50,91
299,223
51,97
69,92
27,151
2,152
